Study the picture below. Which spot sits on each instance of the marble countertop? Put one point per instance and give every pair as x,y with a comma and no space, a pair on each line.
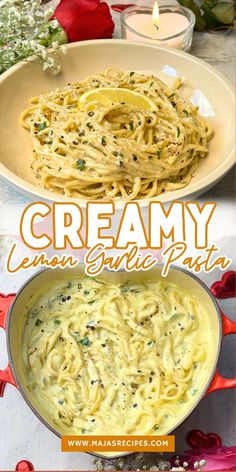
21,433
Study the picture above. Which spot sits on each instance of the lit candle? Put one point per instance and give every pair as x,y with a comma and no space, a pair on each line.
165,27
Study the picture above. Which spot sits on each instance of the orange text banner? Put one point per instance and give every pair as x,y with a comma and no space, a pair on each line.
118,443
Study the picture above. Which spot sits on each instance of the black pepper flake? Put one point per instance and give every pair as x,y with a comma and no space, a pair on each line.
103,141
135,405
135,157
150,379
90,113
103,345
38,322
79,286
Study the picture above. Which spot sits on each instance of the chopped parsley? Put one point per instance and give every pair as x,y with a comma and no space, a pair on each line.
131,125
186,112
57,322
178,131
158,154
41,126
131,74
89,125
171,96
85,341
80,164
61,402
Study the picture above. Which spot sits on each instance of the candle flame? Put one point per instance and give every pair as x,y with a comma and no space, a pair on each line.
155,14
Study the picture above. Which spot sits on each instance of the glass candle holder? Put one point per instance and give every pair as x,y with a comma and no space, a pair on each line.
175,31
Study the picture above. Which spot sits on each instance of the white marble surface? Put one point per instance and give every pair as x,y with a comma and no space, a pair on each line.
21,433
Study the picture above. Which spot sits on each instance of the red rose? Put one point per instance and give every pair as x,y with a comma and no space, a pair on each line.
84,19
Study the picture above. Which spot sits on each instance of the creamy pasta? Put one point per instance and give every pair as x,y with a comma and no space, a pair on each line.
116,359
134,138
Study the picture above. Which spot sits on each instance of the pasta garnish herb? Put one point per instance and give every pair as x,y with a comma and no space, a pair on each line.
40,126
85,342
80,164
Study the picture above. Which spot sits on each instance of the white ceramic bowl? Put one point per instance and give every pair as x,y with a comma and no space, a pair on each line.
202,83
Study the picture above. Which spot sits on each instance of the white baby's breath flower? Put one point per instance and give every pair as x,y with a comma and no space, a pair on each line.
55,45
54,24
202,463
31,21
25,30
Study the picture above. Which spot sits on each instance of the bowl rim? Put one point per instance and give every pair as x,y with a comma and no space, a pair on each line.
197,188
37,413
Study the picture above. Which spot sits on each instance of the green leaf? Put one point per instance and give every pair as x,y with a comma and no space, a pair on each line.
224,12
200,22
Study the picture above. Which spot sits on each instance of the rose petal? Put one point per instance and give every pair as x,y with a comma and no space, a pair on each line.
84,19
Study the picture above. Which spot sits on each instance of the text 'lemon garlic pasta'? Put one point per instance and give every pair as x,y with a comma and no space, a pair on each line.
116,358
115,136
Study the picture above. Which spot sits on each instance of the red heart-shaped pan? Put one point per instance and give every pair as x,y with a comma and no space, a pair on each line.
196,439
226,287
24,466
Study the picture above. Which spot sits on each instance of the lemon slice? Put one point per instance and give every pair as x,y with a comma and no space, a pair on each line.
106,96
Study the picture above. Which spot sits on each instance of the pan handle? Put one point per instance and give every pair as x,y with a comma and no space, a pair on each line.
219,382
5,375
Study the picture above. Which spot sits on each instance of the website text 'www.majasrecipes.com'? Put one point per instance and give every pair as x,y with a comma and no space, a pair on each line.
118,444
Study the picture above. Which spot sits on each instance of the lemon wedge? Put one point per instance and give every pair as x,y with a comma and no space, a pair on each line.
107,96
